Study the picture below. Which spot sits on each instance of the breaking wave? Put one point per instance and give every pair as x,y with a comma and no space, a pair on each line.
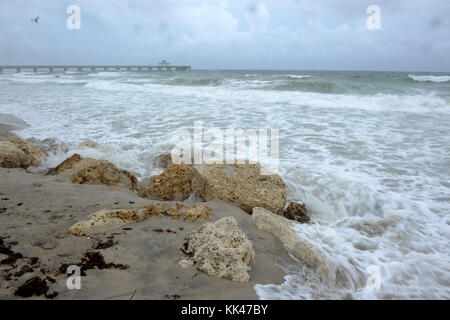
430,78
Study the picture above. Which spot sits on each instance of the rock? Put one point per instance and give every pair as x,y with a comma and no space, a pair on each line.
297,212
173,184
162,161
67,164
106,220
282,229
221,250
195,212
36,155
23,155
12,157
91,171
240,184
143,188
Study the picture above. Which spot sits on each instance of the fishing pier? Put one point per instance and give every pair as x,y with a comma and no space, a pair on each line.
95,68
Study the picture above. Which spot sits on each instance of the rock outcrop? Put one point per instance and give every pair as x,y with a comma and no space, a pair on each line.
240,184
173,184
12,157
91,171
221,250
67,164
30,150
16,152
297,212
106,220
282,229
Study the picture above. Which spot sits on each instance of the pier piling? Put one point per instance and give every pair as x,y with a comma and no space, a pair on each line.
50,68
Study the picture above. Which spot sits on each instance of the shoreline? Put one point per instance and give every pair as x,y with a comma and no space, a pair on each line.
37,210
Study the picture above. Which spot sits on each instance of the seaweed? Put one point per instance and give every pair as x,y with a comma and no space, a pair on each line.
92,260
35,286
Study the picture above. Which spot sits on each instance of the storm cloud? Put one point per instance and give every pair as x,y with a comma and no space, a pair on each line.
230,34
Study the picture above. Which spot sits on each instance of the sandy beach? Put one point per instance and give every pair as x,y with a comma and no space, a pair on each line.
362,171
36,212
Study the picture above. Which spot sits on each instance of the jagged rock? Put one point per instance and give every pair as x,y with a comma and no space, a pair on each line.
240,184
22,155
282,229
173,184
105,220
297,212
12,157
67,164
221,250
91,171
36,155
143,187
162,161
194,212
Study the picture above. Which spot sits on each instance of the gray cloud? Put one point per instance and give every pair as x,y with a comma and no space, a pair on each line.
266,34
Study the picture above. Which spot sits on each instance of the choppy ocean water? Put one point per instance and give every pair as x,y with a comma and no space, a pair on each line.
368,152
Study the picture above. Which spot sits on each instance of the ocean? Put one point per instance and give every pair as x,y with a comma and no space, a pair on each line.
367,152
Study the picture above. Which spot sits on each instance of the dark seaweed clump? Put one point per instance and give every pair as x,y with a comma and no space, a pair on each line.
6,250
92,260
35,286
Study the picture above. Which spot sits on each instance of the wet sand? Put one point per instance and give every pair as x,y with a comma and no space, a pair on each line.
40,209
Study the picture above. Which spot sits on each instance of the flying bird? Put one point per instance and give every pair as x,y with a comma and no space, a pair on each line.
35,20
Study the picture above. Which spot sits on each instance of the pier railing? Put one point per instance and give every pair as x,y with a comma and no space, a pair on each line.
96,67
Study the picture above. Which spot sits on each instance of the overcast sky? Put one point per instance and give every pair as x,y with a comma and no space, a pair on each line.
230,34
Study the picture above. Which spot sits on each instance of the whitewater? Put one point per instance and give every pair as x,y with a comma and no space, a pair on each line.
367,152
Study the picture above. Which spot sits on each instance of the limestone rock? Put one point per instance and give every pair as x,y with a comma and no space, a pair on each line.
192,212
297,212
173,184
36,155
162,161
282,229
30,155
91,171
221,250
240,184
195,212
12,157
67,164
106,220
